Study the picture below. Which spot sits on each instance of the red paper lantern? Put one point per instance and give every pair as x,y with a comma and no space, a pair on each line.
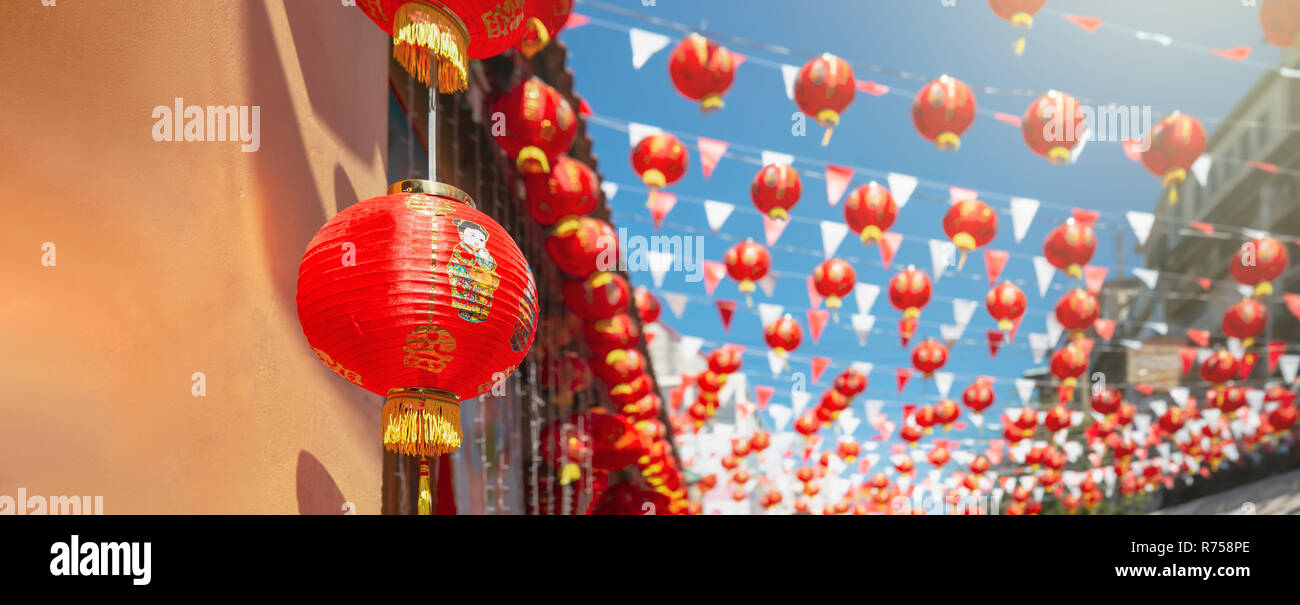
978,396
726,360
632,391
870,211
850,383
946,412
1006,303
747,262
1068,364
909,291
1282,418
970,224
775,190
834,279
807,425
617,332
660,159
434,39
1280,20
904,464
929,357
611,440
1076,311
1177,141
444,305
1173,419
1020,13
938,456
1106,401
1057,418
601,296
709,380
1227,399
1245,320
823,88
1053,125
647,306
581,245
943,110
702,70
1070,246
783,335
545,20
1219,367
849,450
570,189
566,373
979,465
1258,262
539,125
1026,422
924,418
618,366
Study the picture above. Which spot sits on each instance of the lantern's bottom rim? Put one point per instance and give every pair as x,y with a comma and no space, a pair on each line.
438,395
431,188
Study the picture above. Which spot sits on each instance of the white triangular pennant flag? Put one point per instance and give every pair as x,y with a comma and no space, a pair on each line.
610,190
1289,364
943,381
942,254
768,313
833,233
1078,149
1148,276
800,400
1179,395
688,347
637,131
963,310
780,415
866,295
768,284
1023,210
775,362
1201,168
901,187
1038,345
1135,345
788,74
1255,397
849,422
1043,270
950,333
862,325
1201,354
1236,348
1025,389
1159,327
1160,39
676,303
1245,291
660,263
863,367
644,45
773,157
1054,329
1141,223
717,213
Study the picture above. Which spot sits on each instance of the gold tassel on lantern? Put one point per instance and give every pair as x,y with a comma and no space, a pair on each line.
425,506
421,422
426,40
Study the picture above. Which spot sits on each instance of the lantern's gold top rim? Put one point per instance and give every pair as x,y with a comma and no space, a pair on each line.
431,188
424,392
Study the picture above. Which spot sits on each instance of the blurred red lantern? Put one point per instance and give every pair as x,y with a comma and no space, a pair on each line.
979,465
1057,418
943,110
783,335
909,291
1280,20
702,70
807,425
1258,262
632,391
946,412
1070,246
1006,303
834,279
613,441
911,434
434,40
1173,419
978,396
747,262
924,418
617,332
1227,399
1020,13
740,477
1026,422
1068,364
618,366
1282,418
834,402
929,357
805,474
760,441
707,482
647,306
1106,401
775,190
601,296
970,224
726,360
446,286
570,189
709,380
630,499
938,456
566,373
850,383
1245,320
545,20
904,464
579,245
849,450
1076,311
1053,125
1177,141
870,211
660,159
1125,414
1219,367
823,88
539,125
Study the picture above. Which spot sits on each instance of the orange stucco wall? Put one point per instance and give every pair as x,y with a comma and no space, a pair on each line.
180,257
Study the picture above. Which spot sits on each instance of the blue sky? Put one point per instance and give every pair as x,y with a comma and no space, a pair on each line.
928,38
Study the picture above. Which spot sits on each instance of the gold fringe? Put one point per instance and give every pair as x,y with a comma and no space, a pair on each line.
427,39
425,506
421,423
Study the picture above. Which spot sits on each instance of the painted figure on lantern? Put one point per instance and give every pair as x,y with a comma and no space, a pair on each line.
472,273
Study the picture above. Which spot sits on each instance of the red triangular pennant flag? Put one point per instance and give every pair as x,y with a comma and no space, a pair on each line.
872,88
711,150
908,408
819,366
763,394
660,204
903,375
1085,216
1200,337
1086,345
817,322
1239,53
906,328
994,261
583,108
737,60
1248,364
772,229
1145,389
837,182
1007,118
649,338
995,341
889,242
814,297
1265,166
675,397
1088,24
1205,228
1188,354
1094,277
1204,282
714,271
1015,327
1105,327
1275,350
576,20
1292,303
726,308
